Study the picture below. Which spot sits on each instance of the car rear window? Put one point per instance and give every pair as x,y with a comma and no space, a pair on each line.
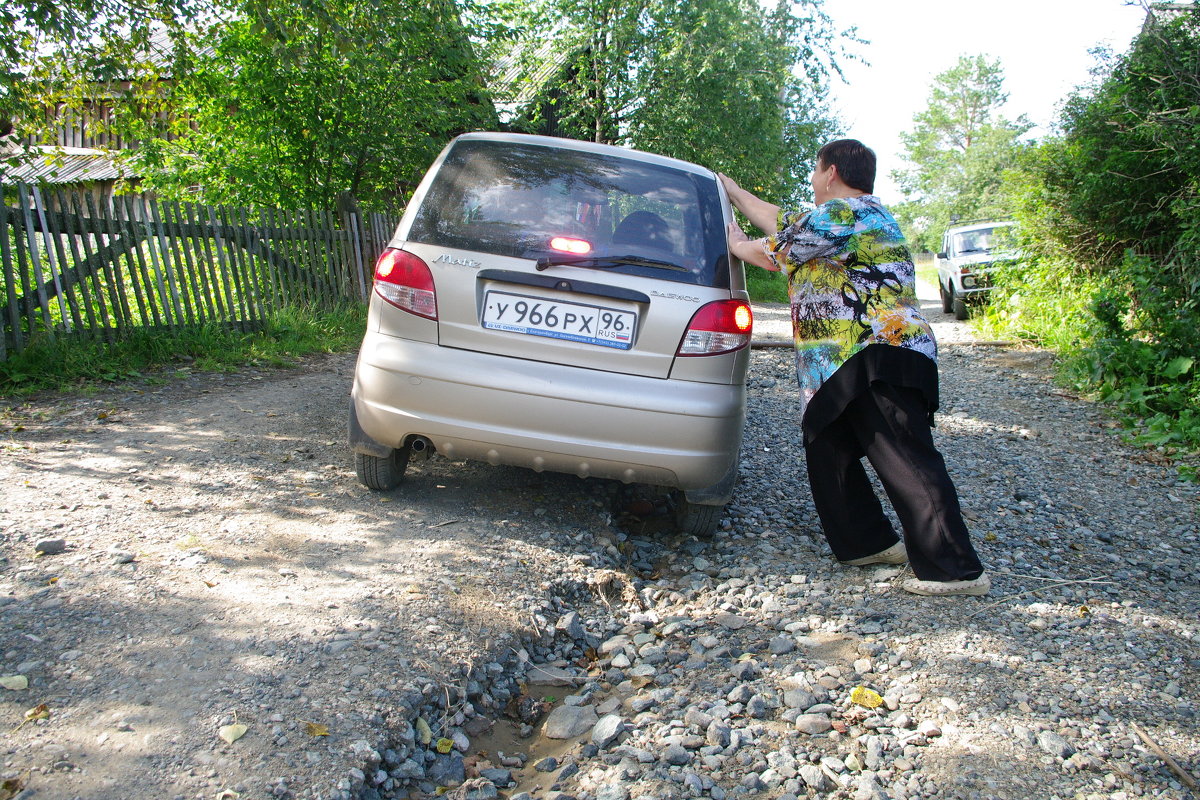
513,199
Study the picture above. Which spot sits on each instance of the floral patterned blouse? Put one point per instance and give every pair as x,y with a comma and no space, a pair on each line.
852,284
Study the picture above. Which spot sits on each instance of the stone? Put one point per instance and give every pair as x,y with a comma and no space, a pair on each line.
799,698
612,792
1055,745
731,622
781,645
446,770
550,675
676,755
719,734
567,722
570,624
607,730
813,724
51,547
814,778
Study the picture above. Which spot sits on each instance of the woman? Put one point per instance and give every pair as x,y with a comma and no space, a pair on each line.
867,368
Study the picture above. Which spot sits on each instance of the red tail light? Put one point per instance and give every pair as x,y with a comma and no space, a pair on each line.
720,327
405,281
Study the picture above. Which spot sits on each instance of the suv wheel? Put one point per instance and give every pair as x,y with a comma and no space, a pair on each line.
382,473
945,297
696,520
961,311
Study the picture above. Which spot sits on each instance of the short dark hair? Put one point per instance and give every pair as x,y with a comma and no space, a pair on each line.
855,163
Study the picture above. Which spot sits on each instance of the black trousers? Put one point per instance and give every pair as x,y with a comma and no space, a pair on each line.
890,426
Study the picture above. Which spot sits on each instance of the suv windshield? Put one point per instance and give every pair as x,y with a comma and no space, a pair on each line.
513,199
982,240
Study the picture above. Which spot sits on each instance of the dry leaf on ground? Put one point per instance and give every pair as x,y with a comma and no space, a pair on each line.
231,733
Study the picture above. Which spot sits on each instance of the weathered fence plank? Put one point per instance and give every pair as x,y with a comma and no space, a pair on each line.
68,265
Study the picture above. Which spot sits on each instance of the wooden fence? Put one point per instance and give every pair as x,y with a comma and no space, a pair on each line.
71,268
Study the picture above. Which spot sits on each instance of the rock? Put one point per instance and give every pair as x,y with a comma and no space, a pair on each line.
813,724
719,734
612,792
550,675
799,698
567,722
929,728
51,547
732,622
1055,745
497,775
607,730
547,764
814,778
676,755
570,625
446,769
119,556
781,645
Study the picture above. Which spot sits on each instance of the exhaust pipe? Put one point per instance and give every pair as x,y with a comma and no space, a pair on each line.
420,447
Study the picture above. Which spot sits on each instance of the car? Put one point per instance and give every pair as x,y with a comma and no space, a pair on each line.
560,305
969,252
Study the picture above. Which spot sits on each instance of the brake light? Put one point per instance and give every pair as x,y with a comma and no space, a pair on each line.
565,244
405,281
720,327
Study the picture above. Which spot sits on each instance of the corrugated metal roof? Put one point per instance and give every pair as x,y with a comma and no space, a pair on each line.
60,165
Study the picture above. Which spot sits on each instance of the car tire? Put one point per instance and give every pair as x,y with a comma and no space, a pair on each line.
383,473
697,520
945,297
960,308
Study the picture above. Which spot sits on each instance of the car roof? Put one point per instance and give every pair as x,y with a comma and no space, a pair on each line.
977,226
589,147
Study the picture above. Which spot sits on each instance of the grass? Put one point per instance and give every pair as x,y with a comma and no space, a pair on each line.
82,364
764,286
926,268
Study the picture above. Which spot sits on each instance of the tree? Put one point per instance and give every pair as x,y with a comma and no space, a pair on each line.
959,148
296,106
50,50
719,82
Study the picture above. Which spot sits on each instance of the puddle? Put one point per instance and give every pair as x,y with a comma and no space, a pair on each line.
504,741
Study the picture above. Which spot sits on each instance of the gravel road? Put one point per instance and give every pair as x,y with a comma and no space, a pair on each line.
191,560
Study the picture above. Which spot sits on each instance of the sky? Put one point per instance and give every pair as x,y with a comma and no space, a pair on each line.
1043,46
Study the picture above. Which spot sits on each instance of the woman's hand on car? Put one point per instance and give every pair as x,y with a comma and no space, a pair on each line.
749,250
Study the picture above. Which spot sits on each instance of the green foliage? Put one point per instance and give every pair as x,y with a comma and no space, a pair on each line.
65,55
293,109
718,82
766,287
959,148
1109,215
285,336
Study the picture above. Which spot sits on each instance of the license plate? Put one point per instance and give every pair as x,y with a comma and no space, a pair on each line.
576,322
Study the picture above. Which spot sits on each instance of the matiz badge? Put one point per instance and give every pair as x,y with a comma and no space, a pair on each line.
446,258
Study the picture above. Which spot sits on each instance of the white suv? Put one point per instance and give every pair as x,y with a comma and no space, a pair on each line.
968,253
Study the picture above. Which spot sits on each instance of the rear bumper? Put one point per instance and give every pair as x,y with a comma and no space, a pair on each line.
547,417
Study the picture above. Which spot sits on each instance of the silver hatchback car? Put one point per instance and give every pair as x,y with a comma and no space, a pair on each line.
565,306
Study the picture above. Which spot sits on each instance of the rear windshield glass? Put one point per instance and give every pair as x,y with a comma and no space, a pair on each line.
514,199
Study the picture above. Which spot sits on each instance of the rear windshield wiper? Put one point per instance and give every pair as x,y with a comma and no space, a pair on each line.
606,262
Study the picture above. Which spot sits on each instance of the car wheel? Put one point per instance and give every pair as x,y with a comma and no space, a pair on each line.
383,473
961,311
945,297
696,520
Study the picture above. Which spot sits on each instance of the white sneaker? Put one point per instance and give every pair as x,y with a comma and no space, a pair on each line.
977,586
896,554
